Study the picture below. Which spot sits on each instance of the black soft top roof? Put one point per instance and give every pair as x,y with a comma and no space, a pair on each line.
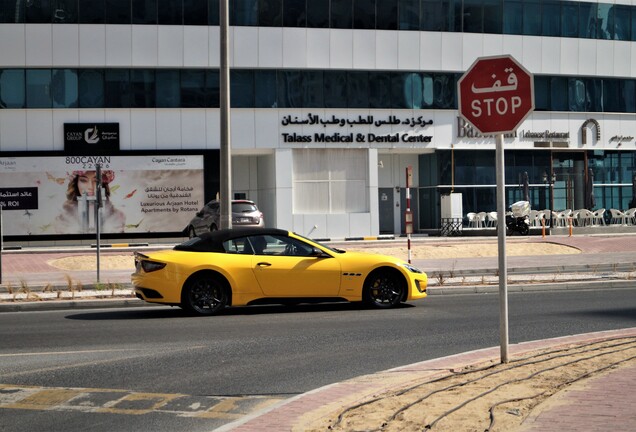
213,241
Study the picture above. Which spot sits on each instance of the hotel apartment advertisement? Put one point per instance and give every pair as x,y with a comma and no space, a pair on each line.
140,194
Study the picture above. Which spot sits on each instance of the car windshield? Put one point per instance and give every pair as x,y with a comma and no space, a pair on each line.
243,208
340,251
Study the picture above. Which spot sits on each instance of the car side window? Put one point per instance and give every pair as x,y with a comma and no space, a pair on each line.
238,246
288,246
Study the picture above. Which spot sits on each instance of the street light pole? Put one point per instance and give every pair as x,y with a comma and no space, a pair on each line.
225,154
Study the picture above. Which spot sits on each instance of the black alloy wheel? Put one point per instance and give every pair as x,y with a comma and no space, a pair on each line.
383,290
205,295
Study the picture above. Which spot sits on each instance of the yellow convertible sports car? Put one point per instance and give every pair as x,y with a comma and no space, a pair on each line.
248,266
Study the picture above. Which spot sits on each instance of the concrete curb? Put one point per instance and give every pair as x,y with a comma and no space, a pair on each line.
107,302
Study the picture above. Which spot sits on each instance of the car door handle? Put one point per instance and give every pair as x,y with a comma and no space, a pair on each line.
263,264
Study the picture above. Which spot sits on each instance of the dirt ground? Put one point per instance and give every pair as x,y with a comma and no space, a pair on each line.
494,397
418,251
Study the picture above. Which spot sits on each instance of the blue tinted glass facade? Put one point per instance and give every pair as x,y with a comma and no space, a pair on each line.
288,88
520,17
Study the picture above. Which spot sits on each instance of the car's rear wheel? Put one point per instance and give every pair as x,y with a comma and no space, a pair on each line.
383,289
205,295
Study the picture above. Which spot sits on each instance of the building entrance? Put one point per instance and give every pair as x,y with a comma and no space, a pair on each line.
568,180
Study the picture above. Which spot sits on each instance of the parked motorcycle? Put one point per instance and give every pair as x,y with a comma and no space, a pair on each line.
517,220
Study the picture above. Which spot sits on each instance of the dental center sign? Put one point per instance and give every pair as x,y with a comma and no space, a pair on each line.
496,94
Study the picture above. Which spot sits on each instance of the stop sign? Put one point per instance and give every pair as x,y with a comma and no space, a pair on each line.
496,94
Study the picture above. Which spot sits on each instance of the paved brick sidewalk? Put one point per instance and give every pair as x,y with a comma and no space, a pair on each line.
603,403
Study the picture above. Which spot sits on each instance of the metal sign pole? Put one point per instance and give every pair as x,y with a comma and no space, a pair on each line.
97,204
501,246
1,245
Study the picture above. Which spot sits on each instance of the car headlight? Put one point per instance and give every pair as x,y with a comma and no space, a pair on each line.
412,269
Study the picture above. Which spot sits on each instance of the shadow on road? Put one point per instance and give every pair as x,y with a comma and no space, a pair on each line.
163,312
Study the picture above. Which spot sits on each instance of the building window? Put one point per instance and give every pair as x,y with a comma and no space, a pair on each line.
64,87
92,11
38,88
330,181
12,88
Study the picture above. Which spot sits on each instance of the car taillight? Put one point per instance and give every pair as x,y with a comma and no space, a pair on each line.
151,266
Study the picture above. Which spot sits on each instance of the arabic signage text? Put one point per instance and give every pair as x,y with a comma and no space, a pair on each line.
369,120
19,198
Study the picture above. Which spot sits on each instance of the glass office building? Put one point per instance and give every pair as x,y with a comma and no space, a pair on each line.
332,100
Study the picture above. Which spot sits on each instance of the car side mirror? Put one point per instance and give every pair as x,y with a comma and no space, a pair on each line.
315,252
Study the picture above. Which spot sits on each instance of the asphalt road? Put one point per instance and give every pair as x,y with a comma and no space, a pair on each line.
108,369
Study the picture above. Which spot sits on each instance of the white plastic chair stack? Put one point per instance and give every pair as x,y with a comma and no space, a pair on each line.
630,216
618,217
492,219
481,219
598,217
472,223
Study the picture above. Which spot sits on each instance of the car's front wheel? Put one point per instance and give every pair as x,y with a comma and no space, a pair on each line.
205,295
383,289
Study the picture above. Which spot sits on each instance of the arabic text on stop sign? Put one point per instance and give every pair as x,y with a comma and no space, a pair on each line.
500,106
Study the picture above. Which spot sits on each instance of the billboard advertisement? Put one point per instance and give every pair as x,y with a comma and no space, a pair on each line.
141,194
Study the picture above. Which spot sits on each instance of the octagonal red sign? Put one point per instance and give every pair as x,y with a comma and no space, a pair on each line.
496,94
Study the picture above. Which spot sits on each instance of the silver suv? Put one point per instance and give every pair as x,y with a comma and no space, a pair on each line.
244,213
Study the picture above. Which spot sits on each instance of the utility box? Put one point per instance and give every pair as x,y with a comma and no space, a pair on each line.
451,206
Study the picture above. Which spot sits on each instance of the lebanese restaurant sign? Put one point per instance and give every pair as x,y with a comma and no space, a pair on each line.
340,130
42,195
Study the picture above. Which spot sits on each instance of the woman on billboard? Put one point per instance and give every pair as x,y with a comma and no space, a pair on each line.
78,210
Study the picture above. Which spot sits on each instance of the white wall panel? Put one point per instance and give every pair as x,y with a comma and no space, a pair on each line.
408,50
622,59
309,221
243,133
452,51
65,45
360,225
337,227
168,129
213,134
531,59
386,54
214,47
430,51
193,128
317,48
13,136
143,129
92,40
569,58
472,48
270,42
144,45
170,46
513,45
244,47
59,118
550,55
341,49
39,47
266,129
364,49
39,130
294,47
605,58
493,45
12,45
118,45
195,46
587,57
